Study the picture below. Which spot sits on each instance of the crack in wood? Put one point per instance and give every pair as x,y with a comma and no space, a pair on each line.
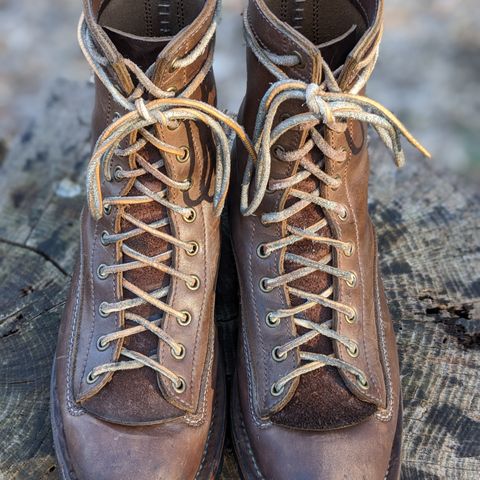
38,252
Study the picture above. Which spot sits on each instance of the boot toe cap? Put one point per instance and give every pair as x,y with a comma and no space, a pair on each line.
98,450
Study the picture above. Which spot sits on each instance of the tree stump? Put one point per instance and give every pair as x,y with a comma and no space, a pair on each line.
428,225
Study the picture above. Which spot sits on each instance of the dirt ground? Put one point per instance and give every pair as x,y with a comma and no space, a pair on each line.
428,73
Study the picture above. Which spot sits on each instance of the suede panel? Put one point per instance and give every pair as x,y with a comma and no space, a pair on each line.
321,400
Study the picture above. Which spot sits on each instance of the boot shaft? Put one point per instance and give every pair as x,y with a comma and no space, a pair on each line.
311,243
159,177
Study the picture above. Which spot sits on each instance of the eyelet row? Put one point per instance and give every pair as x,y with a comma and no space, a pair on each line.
179,387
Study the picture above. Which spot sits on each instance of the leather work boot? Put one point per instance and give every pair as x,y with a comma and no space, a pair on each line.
137,388
317,390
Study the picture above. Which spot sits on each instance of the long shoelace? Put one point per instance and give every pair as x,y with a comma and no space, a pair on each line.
329,107
166,111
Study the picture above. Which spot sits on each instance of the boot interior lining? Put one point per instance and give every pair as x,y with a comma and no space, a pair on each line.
149,18
326,22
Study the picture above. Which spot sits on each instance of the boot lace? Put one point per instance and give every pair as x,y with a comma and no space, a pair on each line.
328,107
166,110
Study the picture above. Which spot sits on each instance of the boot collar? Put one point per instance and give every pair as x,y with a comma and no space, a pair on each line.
116,45
281,38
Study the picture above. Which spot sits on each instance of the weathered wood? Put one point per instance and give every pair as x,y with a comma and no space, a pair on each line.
429,232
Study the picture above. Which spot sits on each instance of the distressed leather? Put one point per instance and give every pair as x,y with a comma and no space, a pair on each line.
132,424
270,445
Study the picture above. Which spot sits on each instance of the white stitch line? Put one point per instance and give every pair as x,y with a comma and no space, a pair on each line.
201,314
71,405
198,419
245,350
248,446
361,268
258,422
257,324
212,314
390,394
210,430
92,327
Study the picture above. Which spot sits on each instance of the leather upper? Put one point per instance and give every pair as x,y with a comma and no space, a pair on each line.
197,336
371,330
133,423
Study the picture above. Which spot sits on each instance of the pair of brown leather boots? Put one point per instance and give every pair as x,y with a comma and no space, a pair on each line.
138,389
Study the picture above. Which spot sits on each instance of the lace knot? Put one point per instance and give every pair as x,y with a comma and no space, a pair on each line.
317,105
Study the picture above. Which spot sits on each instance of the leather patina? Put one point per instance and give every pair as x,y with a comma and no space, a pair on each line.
132,423
326,423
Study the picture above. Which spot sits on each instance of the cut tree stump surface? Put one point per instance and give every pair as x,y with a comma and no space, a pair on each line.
428,225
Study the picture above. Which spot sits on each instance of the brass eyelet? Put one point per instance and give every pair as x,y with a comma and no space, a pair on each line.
183,322
172,89
91,378
336,187
181,354
172,67
275,391
263,286
351,318
284,116
277,356
362,382
344,215
101,310
103,238
350,250
194,248
101,272
116,116
117,173
271,320
180,386
195,285
278,151
353,352
107,209
261,251
352,281
301,63
185,155
173,125
190,216
101,345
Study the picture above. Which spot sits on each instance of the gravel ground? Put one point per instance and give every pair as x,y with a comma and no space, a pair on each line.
428,73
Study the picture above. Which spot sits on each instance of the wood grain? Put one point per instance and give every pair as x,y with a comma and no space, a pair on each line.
428,226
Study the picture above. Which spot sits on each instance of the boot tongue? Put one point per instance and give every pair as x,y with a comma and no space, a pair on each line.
336,50
141,50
